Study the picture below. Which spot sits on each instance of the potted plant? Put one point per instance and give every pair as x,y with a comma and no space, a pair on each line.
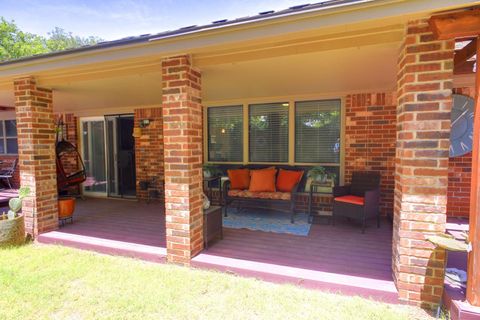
210,170
318,174
12,226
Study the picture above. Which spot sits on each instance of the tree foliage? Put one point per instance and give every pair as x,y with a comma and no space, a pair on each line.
59,39
15,43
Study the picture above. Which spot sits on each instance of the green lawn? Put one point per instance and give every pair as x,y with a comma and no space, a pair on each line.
48,282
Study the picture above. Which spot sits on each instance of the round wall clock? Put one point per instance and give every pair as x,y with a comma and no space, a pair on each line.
461,134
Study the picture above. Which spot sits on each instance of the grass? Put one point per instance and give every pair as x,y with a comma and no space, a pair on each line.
49,282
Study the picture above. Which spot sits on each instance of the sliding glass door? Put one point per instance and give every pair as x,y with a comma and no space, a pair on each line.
93,153
108,150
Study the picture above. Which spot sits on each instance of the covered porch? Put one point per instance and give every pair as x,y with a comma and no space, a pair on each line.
391,81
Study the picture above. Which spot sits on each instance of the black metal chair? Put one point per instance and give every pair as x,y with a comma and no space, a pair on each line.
358,201
7,173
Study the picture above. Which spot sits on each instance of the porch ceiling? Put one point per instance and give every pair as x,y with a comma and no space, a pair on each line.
333,72
322,73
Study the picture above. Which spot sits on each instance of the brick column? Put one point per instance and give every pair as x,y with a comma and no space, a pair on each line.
36,152
421,176
182,132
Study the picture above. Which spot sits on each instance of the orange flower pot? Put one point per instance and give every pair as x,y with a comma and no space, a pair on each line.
66,206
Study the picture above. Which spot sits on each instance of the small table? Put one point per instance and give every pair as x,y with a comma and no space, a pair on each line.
207,182
323,215
212,224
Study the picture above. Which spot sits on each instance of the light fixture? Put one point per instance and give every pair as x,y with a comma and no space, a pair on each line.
145,123
223,130
285,104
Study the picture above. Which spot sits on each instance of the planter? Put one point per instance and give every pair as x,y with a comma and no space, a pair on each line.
320,178
207,174
12,232
66,206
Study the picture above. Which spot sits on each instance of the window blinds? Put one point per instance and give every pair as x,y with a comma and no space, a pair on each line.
268,132
225,134
317,131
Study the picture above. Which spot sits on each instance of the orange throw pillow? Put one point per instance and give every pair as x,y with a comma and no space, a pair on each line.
239,178
287,179
262,180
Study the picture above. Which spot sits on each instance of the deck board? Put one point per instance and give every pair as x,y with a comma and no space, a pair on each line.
6,195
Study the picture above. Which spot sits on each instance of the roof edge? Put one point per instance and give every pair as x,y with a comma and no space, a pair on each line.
220,24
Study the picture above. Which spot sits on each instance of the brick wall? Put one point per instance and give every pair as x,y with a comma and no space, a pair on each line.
459,176
370,137
425,73
149,150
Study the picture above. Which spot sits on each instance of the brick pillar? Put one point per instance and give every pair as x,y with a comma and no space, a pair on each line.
36,152
421,175
149,150
182,132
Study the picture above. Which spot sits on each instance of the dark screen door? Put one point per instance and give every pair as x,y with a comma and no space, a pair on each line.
120,155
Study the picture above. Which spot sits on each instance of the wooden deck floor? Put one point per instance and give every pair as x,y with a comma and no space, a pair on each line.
6,195
336,258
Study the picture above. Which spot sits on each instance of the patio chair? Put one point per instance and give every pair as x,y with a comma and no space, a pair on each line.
8,172
358,201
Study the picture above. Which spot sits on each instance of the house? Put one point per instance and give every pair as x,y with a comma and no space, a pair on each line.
384,70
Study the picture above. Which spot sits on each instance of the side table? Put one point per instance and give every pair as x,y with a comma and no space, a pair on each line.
324,216
212,224
207,185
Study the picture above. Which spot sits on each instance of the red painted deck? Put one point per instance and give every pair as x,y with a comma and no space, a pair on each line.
336,258
6,195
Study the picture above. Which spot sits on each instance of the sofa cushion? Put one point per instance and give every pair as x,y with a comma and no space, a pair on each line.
262,180
239,178
351,199
287,179
260,195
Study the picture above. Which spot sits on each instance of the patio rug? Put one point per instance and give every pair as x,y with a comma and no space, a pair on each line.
267,220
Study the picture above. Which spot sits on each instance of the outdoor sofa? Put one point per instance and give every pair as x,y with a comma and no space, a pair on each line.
267,188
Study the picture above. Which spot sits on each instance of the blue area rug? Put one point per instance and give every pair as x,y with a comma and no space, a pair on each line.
267,220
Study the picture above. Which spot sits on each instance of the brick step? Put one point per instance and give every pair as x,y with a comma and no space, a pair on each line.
379,290
106,246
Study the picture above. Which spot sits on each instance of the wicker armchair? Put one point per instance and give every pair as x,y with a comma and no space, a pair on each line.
358,201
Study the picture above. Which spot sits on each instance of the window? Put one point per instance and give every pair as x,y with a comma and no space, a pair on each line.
303,133
268,132
225,134
8,137
317,131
